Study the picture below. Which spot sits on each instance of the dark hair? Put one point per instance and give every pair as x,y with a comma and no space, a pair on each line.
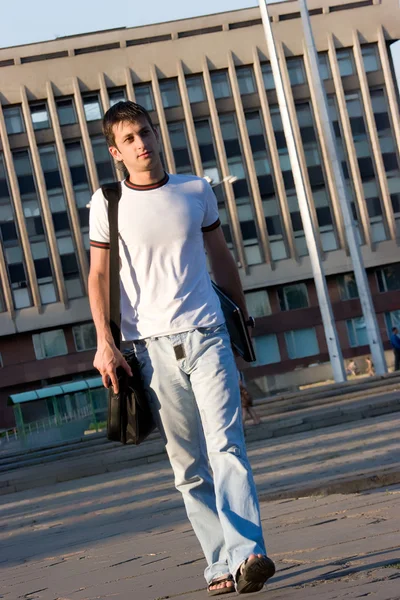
394,328
122,111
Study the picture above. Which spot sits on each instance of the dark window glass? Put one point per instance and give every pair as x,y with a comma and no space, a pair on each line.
92,106
66,111
246,80
144,96
170,93
195,88
268,78
220,84
296,71
14,119
180,148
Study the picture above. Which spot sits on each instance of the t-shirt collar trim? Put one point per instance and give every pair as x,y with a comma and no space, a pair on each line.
151,186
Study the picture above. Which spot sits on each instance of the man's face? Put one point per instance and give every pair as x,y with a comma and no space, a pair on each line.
395,331
136,145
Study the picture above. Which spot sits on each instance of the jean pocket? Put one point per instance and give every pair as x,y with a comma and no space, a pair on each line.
214,330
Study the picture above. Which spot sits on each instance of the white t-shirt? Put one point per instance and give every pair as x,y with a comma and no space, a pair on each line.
165,285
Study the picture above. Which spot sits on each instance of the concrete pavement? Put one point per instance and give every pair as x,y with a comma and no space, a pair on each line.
125,536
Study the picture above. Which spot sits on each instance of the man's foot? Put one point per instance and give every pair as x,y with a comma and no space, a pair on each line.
253,573
221,585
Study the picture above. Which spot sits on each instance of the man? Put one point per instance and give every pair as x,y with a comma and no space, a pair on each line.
173,318
395,341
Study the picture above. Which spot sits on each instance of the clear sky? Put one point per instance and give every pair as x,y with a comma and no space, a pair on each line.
26,21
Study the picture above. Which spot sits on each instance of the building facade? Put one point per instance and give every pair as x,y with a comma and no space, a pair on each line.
208,86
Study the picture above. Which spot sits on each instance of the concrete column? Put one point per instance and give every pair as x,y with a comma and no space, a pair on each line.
104,93
94,181
248,156
390,88
349,144
130,92
194,146
274,155
219,142
373,135
299,142
333,192
42,193
169,156
68,187
19,214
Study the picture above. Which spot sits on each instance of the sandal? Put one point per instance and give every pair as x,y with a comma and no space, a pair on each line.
224,590
253,574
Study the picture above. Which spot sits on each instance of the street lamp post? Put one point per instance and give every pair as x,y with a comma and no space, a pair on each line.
373,333
328,321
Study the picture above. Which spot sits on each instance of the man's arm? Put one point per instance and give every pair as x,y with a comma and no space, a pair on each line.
224,267
107,357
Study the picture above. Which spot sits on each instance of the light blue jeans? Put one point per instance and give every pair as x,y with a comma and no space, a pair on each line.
195,398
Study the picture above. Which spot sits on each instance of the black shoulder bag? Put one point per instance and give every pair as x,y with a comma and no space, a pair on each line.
130,420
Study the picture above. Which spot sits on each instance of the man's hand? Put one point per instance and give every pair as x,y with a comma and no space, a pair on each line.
108,358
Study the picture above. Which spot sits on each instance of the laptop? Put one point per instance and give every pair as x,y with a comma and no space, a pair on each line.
235,322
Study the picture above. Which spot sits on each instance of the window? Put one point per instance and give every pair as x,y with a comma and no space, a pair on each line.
66,111
85,337
258,303
34,226
345,61
220,84
14,120
357,332
366,165
91,104
294,296
244,204
301,343
49,344
316,175
195,88
267,350
268,78
144,96
40,116
170,93
293,204
392,319
324,68
347,286
103,160
80,181
116,96
211,168
180,148
389,278
296,71
266,184
246,80
10,240
370,58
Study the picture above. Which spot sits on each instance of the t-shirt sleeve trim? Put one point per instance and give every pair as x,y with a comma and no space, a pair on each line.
211,227
103,245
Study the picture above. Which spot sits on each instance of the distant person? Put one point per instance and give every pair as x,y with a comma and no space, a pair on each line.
351,367
370,366
395,341
247,403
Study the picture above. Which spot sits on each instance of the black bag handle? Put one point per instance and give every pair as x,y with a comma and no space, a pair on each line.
112,193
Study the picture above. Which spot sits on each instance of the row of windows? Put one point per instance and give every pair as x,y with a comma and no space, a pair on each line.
184,164
300,343
53,343
170,91
295,296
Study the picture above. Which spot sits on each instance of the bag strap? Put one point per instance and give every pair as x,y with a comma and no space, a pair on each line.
112,193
